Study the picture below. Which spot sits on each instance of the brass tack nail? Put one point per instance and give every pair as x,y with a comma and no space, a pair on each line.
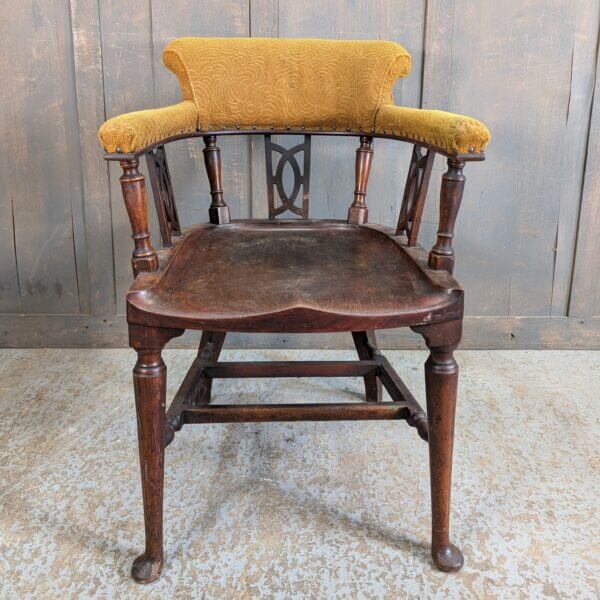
372,129
254,127
385,131
288,127
119,149
348,128
471,149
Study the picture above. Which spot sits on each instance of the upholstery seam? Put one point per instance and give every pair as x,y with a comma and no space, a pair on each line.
386,81
189,80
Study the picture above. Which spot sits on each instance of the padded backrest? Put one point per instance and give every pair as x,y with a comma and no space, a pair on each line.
296,83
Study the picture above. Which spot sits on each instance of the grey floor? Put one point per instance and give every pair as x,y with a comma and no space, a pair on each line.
325,510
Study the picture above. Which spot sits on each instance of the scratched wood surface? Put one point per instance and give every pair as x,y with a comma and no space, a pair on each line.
527,239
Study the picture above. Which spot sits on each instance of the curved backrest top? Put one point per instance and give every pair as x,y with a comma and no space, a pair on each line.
286,83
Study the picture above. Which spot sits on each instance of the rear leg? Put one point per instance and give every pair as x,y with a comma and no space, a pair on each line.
211,344
366,346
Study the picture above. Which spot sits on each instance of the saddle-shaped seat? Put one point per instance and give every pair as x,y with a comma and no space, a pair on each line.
291,276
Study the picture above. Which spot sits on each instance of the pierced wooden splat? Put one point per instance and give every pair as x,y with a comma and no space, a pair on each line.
415,192
275,177
162,190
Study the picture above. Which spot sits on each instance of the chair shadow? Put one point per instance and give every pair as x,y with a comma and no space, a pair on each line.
94,542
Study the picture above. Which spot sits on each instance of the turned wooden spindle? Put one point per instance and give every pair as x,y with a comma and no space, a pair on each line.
358,212
441,256
218,211
134,194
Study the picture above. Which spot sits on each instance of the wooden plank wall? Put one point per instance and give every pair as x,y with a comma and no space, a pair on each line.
528,242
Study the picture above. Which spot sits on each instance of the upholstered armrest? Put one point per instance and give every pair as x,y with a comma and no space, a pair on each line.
132,131
454,134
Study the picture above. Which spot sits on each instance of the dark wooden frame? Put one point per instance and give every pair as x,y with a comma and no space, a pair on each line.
192,403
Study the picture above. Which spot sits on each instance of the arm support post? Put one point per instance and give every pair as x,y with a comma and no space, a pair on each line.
134,194
218,211
358,212
441,256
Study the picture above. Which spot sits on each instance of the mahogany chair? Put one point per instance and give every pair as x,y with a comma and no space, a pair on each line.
296,275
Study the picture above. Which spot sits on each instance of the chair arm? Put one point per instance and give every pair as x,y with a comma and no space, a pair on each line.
450,133
135,130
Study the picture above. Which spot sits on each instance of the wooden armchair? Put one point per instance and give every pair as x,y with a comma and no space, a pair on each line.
296,275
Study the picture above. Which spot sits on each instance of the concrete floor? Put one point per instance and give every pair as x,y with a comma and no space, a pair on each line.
321,510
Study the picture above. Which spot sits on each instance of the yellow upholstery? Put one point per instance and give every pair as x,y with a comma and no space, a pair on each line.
283,82
128,132
247,83
455,134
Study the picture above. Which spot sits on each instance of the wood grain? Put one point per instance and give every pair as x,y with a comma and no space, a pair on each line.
38,94
585,296
87,55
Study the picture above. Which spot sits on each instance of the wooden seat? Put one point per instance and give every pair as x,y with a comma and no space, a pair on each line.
293,276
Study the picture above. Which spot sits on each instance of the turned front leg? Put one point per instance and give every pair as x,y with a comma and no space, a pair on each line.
441,380
149,379
150,386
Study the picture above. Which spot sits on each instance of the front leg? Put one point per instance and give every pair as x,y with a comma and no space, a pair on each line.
441,380
150,385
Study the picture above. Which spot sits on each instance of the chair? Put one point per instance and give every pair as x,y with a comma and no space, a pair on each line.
295,275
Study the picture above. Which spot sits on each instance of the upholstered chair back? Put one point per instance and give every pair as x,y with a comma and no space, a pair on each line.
286,83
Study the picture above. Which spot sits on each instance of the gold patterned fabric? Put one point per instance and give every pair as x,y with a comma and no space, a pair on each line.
128,132
258,83
286,83
455,134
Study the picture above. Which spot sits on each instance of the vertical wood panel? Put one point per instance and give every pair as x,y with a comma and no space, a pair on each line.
37,90
10,300
585,297
87,53
573,151
511,67
128,85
